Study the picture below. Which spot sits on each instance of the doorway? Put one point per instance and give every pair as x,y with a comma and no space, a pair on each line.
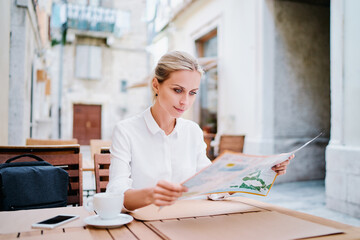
86,123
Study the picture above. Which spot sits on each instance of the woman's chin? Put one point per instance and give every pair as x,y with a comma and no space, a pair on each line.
177,114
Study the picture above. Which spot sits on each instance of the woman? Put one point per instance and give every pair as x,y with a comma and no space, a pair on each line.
153,152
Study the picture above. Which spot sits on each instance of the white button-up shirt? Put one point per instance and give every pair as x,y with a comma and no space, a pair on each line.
142,154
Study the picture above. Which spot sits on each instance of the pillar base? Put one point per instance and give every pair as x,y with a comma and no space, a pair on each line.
343,179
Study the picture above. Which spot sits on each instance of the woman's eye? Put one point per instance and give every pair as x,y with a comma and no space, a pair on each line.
178,90
193,93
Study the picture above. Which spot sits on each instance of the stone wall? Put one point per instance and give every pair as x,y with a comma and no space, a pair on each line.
302,85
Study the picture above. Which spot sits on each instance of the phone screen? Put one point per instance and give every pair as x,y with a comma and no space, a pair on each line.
55,220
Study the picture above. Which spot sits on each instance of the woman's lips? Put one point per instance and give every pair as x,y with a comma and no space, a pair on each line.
179,110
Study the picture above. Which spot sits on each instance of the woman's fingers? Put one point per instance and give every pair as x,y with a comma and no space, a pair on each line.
280,168
164,197
171,186
166,193
162,191
283,164
159,202
282,172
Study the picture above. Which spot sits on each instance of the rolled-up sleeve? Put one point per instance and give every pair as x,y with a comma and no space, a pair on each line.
120,167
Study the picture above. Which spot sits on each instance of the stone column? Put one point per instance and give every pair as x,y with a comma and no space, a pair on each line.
4,69
343,151
24,46
19,94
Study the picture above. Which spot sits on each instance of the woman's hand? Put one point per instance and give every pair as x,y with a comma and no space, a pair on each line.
163,194
166,193
280,168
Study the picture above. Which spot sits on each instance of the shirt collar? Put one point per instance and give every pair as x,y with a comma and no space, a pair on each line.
154,127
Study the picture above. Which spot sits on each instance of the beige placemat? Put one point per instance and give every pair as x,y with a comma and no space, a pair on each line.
257,225
192,208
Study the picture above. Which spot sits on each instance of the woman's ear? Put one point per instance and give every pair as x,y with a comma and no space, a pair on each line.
155,85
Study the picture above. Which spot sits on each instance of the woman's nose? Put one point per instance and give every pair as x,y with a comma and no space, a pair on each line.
184,100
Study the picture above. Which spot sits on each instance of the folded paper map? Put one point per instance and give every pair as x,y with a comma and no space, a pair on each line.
236,172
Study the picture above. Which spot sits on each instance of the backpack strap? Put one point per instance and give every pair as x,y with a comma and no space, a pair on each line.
25,155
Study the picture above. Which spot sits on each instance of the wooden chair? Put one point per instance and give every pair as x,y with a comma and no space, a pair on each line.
102,164
208,137
32,141
104,150
96,145
233,143
66,156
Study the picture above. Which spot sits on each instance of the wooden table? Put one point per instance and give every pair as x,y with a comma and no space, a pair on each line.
16,225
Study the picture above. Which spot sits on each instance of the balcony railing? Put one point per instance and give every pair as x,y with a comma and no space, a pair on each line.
89,18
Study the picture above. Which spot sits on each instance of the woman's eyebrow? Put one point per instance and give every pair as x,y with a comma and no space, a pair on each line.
177,85
184,88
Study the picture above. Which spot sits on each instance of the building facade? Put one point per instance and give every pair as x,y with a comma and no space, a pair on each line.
89,63
103,55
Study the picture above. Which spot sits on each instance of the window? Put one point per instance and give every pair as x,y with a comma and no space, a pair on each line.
88,62
207,53
123,85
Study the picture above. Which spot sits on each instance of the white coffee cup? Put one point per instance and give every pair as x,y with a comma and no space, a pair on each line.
106,205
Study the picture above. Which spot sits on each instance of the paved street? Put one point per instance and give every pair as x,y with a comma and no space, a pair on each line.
307,197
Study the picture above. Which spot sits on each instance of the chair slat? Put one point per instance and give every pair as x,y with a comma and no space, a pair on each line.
103,172
102,164
74,186
103,160
103,185
73,173
32,141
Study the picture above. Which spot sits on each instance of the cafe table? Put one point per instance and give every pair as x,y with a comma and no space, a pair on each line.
235,218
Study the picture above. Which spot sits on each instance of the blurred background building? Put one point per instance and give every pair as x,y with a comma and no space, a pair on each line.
277,71
102,52
25,91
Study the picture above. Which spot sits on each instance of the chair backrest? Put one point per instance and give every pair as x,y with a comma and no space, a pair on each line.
233,143
66,156
96,145
105,150
32,141
208,137
101,164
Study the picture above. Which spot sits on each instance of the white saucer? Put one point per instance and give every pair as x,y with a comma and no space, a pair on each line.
120,220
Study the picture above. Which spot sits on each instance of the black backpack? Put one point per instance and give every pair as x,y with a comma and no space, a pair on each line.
31,185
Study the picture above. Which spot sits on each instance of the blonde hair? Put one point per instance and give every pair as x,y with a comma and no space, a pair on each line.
175,61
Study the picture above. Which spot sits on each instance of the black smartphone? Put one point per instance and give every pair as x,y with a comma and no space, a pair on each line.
54,221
